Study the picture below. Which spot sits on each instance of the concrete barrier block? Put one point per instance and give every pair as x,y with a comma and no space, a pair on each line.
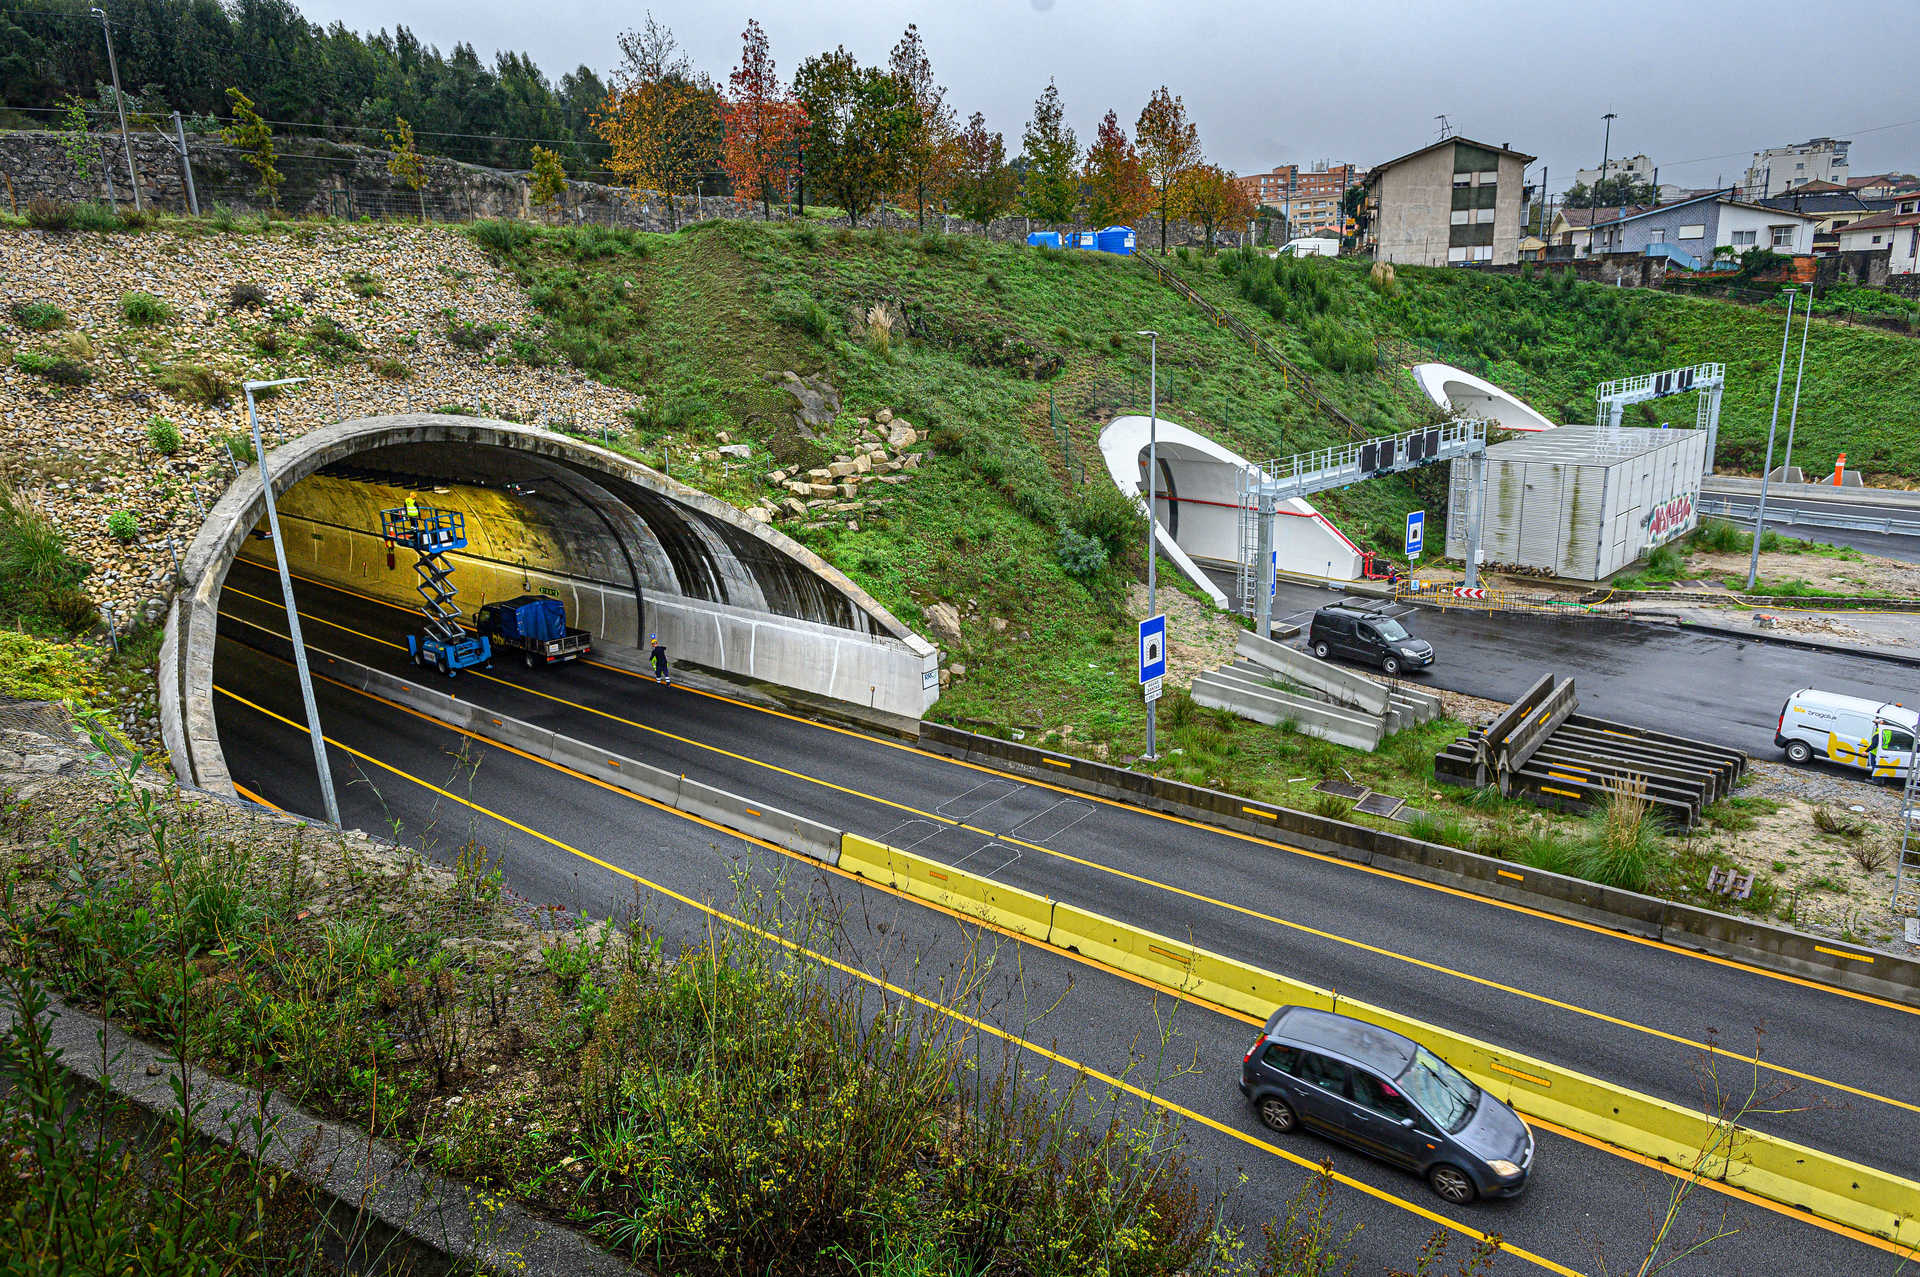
616,769
1353,728
770,824
1342,684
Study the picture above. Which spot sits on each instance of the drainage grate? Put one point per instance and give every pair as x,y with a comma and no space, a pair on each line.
1380,804
1341,789
1406,815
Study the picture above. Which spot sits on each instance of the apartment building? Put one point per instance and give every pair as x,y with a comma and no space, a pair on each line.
1781,168
1310,197
1456,202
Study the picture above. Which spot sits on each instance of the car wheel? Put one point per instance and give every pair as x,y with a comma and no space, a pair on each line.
1277,1115
1799,752
1322,651
1451,1183
1391,666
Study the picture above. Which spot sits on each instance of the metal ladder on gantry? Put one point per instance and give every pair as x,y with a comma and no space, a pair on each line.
1263,488
432,534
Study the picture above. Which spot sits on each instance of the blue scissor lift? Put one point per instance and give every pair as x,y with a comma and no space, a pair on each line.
431,533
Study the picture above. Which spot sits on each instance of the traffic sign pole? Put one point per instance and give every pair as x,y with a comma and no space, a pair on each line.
1153,668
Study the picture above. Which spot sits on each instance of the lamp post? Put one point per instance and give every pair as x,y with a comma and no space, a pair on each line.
119,102
1153,474
1593,205
286,593
1806,324
1779,381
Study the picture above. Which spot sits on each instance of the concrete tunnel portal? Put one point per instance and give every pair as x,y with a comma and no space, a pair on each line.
629,551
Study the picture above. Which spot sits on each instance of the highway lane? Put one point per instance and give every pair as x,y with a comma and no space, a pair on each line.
1582,1195
1848,502
1635,1013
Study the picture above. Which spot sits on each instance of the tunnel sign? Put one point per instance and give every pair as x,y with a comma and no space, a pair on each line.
1416,532
1153,649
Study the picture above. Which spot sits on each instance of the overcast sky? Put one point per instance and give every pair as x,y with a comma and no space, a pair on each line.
1697,86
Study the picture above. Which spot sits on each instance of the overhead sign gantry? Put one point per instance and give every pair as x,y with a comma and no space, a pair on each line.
1263,488
1708,379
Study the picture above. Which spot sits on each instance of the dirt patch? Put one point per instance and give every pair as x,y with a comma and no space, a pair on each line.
1200,637
1868,574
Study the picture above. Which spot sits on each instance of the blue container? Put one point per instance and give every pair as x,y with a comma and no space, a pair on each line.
533,616
1087,240
1115,239
1043,239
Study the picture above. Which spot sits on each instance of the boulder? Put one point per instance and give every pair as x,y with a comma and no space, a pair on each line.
822,489
862,464
849,489
738,451
794,508
819,474
883,416
913,460
818,402
840,469
944,620
901,435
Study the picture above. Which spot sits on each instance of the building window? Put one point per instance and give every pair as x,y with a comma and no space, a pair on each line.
1782,236
1658,235
1742,238
1462,216
1457,254
1696,231
1463,179
1484,253
1876,239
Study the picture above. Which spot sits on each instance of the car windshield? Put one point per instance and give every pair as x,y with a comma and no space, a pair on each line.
1391,630
1439,1089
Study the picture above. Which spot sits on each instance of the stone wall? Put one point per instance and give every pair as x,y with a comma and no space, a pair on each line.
338,180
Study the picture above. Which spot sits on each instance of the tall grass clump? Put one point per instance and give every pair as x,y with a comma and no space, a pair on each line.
144,310
1622,847
39,579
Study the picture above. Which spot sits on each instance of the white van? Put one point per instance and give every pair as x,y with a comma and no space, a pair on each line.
1310,247
1875,736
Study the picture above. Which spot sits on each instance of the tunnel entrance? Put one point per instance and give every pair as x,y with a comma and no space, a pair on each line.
630,553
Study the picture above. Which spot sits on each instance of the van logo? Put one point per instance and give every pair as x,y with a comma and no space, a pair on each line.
1665,519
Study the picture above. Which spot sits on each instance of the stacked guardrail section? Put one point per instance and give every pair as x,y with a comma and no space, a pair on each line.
1272,683
1540,748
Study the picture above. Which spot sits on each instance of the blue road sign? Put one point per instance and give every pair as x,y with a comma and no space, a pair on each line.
1153,648
1416,531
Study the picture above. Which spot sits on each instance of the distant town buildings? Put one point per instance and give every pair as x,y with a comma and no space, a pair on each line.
1456,202
1310,197
1895,234
1781,168
1693,231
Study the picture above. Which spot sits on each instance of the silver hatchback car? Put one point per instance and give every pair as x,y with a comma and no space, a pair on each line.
1389,1096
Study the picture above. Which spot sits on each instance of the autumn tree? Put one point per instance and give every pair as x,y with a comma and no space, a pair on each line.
549,179
1169,148
661,117
927,160
762,124
1117,189
858,124
983,186
1050,154
1208,195
404,162
250,135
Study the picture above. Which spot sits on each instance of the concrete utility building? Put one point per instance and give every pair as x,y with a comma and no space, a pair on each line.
1456,202
1582,502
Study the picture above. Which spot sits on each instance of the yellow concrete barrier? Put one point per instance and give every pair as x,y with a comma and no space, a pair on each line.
1862,1197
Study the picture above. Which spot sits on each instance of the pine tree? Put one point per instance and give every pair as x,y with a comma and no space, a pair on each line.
250,134
1051,151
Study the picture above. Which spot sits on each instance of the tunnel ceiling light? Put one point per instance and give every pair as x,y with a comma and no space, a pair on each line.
439,488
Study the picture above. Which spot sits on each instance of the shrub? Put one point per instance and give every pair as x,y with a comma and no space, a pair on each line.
135,219
1336,348
39,580
330,339
471,336
143,309
876,329
807,237
163,435
392,369
1828,822
270,341
796,309
37,317
122,526
500,235
1102,512
362,283
195,383
1622,848
1082,557
246,295
44,214
75,345
240,445
222,218
97,217
55,368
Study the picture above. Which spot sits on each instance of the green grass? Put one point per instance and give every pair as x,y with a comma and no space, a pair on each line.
144,309
39,578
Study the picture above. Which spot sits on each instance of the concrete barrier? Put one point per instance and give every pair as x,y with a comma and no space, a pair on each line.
781,828
1343,685
1743,939
1265,703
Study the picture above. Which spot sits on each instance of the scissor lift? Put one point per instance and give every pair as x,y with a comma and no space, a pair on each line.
431,533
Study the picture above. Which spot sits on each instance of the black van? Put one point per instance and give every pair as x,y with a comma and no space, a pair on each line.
1354,632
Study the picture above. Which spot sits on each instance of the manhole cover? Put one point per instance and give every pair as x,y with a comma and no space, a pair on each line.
1380,804
1406,815
1340,789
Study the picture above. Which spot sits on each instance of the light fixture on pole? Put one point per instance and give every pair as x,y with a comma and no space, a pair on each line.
286,593
1806,323
1593,203
119,102
1153,473
1779,381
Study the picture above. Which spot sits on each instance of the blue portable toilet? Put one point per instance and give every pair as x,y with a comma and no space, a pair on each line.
1115,239
1085,239
1043,239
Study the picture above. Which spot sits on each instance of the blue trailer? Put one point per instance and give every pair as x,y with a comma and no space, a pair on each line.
1043,239
534,626
431,534
1115,239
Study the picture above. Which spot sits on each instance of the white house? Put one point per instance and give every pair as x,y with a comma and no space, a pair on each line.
1896,234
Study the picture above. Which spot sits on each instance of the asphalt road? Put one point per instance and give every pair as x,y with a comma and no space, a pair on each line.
1635,1013
1582,1197
1781,501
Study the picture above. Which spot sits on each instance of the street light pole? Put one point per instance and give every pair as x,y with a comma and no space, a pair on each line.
1779,381
1806,323
119,102
1153,474
293,614
1593,203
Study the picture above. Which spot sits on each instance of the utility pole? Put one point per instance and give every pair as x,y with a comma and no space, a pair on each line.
186,165
1153,474
120,104
1806,323
1593,205
293,614
1779,381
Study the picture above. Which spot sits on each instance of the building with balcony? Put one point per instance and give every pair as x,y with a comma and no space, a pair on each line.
1456,202
1781,168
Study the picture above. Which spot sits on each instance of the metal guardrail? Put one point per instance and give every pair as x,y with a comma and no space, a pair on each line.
1737,511
1291,373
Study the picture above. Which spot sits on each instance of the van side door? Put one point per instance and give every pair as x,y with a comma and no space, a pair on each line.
1892,751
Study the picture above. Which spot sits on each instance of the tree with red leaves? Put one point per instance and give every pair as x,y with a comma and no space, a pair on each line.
763,124
1117,186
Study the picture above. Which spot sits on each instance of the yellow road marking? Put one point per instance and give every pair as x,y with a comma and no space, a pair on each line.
1244,910
1498,1067
252,797
1841,953
981,1026
965,919
1508,873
